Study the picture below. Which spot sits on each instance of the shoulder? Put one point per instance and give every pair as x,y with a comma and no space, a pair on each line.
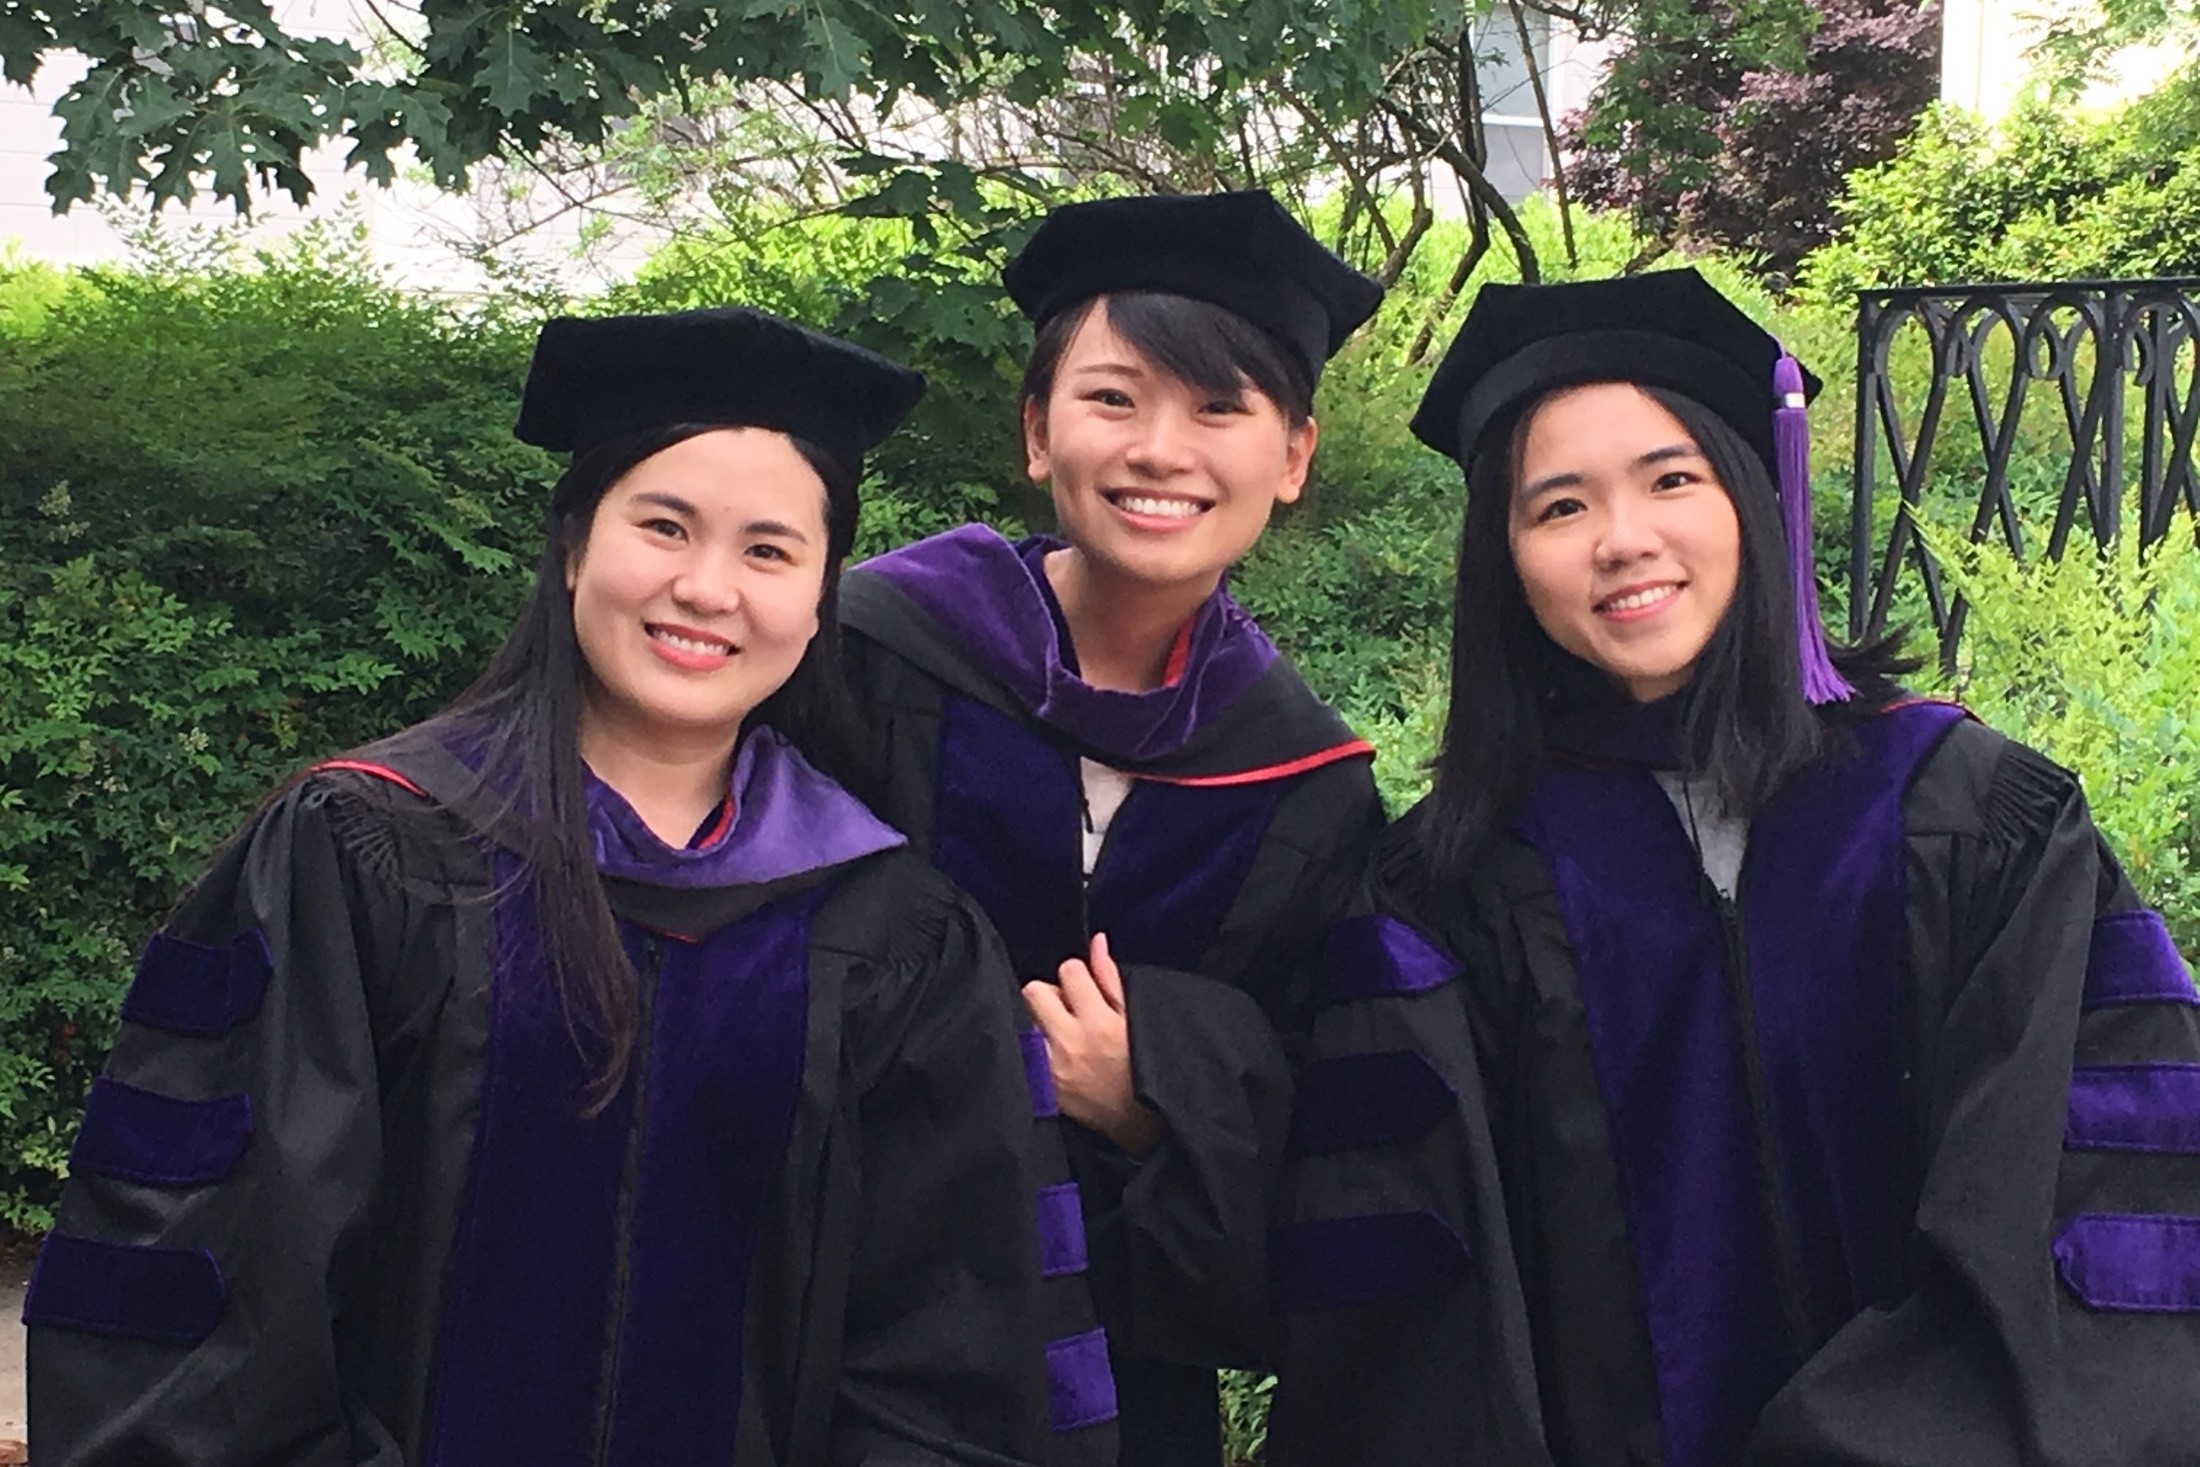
894,909
1980,782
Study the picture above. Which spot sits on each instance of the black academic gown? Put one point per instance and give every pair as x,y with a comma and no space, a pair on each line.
1893,1158
1220,872
335,1200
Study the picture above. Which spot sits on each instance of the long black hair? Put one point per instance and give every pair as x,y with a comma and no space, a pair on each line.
522,716
1745,723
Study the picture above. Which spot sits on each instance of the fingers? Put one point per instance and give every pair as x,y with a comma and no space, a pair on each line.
1106,976
1081,991
1048,1012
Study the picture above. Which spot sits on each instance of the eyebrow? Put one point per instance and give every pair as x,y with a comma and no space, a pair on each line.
1573,478
664,500
777,529
1108,369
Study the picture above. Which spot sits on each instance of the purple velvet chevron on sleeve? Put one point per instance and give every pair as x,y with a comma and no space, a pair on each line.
135,1135
2148,1108
2132,1263
200,992
1372,955
1038,1074
2133,960
132,1291
1061,1231
1080,1385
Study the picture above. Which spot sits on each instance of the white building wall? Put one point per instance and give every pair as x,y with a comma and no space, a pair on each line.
1986,63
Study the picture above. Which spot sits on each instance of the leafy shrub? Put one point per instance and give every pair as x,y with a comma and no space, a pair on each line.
260,511
1733,124
2050,194
2094,661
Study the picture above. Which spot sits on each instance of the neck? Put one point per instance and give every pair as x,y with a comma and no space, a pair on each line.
672,779
1124,629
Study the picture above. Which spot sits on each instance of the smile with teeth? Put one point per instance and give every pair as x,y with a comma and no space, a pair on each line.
1639,600
1158,506
710,646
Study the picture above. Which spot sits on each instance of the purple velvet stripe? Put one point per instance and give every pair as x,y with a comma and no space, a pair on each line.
133,1291
2133,960
1061,1231
154,1140
1080,1386
1038,1074
1826,914
1373,956
1359,1100
1006,813
1175,860
2130,1263
2152,1108
201,992
1822,913
1361,1260
524,1323
983,593
725,1075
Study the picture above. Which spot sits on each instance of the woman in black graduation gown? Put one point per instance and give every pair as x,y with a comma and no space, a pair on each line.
580,1076
1842,1099
1091,737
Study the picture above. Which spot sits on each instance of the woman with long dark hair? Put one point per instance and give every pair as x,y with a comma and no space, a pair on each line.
1089,735
581,1076
1754,1064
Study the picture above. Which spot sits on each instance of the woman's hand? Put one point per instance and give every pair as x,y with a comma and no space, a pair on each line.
1089,1049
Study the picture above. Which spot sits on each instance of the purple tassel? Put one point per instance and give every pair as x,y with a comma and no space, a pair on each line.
1822,683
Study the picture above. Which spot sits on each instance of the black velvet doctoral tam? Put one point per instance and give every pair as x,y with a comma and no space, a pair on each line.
598,378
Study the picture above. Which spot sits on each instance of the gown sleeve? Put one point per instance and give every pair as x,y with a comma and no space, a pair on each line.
961,1266
186,1307
1391,1263
2053,1318
1187,1223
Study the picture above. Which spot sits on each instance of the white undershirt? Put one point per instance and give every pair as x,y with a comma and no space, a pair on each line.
1105,791
1721,840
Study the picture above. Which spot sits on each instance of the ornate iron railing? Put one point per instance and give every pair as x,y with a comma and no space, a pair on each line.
2115,361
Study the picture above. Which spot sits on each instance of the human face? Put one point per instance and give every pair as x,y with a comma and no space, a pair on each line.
1626,543
696,592
1156,482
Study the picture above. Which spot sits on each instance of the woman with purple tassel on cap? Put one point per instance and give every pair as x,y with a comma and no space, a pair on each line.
1740,1062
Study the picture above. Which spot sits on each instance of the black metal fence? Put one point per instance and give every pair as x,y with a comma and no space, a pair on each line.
2114,361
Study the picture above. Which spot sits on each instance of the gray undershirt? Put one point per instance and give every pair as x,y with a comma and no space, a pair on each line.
1721,840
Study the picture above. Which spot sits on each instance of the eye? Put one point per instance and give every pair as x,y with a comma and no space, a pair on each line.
669,529
1113,397
1225,406
1557,507
1676,479
768,550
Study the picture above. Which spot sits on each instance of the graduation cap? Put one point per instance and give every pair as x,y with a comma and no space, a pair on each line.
602,377
1667,328
1239,251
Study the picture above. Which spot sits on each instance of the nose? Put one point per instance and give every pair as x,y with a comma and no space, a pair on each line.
1626,534
710,583
1163,445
